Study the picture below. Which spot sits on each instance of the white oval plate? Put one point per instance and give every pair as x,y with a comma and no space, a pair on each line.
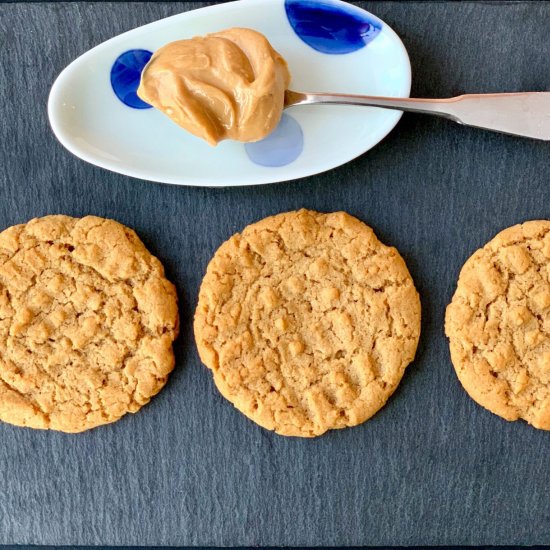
91,122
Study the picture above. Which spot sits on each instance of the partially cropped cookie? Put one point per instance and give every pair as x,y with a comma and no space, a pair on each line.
498,324
307,322
87,321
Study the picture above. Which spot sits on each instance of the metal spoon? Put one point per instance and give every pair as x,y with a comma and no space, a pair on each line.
524,114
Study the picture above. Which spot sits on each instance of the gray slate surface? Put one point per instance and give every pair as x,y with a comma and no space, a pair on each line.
431,467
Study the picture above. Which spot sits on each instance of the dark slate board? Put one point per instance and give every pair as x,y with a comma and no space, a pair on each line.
432,467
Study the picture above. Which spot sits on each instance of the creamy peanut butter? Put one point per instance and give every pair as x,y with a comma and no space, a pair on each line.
226,85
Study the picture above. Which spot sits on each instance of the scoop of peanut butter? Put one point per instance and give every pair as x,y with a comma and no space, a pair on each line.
226,85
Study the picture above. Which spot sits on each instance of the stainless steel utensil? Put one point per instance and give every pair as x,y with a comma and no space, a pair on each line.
524,114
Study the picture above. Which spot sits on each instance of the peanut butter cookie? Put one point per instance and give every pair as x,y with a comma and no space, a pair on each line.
87,321
498,324
307,322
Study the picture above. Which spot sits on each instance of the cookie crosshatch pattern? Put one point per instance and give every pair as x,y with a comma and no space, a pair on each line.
307,322
87,321
498,324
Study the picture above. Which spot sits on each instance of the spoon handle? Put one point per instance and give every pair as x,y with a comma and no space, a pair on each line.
524,114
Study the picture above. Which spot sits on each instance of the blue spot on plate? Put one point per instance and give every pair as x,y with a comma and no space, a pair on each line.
126,74
283,146
331,27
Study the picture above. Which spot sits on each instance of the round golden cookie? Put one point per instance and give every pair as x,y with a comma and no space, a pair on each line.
498,324
307,322
87,321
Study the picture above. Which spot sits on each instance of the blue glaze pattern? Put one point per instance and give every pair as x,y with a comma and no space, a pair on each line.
331,27
126,74
283,146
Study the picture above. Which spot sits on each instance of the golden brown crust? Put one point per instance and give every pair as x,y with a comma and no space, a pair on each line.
307,322
498,324
87,321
